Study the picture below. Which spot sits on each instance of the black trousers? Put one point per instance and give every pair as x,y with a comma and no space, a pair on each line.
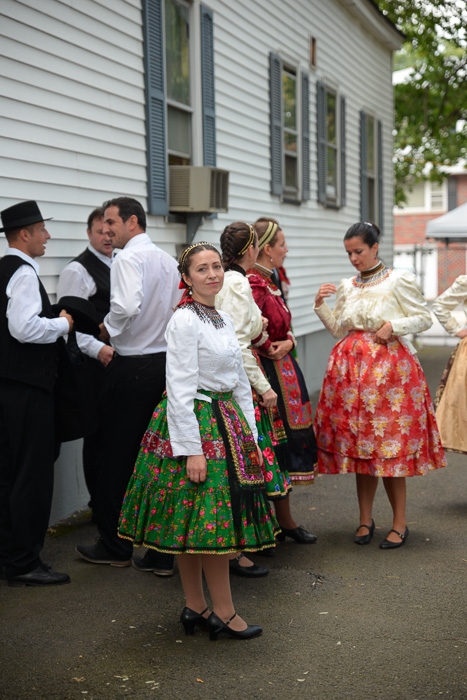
132,387
26,473
92,442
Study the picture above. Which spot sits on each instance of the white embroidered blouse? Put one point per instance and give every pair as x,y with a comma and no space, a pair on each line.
368,305
237,300
446,303
199,356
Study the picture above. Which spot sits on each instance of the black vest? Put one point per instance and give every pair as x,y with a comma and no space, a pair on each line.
100,273
30,363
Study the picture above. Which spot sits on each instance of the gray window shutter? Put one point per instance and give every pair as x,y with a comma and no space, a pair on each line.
363,176
305,100
452,193
207,86
380,176
156,139
342,145
275,97
321,139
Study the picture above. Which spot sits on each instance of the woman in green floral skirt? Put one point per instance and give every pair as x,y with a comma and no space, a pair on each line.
198,489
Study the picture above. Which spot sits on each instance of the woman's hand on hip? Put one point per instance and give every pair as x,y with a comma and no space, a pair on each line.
326,290
384,333
196,468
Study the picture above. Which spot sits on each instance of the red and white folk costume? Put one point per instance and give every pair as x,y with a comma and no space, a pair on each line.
375,414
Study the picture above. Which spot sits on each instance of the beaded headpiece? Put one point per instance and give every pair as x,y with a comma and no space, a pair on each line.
183,256
268,235
250,242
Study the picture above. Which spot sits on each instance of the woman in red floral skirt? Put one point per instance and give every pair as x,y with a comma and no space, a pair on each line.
375,417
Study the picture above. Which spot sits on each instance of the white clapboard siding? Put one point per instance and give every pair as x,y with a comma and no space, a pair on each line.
72,111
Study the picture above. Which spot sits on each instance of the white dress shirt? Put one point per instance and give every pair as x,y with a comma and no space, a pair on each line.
76,281
25,305
200,356
143,293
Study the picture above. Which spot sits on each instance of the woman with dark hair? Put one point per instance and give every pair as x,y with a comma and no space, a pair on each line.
239,245
375,417
198,489
283,372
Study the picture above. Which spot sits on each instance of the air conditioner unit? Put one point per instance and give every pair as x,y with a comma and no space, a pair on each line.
198,189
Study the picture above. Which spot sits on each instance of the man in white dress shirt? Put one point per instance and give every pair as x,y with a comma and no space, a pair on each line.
144,291
28,368
88,277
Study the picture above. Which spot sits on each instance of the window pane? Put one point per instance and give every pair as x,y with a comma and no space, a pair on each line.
370,146
416,198
290,141
331,175
437,195
289,100
179,131
291,180
177,51
331,118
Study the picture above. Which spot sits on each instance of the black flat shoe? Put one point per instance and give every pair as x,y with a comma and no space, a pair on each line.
189,619
365,539
216,626
98,554
42,575
387,544
299,534
253,571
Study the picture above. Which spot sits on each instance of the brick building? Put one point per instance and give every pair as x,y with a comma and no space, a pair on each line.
435,264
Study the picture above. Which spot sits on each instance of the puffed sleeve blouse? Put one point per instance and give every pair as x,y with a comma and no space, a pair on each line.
200,356
446,303
237,300
362,306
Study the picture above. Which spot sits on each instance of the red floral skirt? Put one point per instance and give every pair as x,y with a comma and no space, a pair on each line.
375,414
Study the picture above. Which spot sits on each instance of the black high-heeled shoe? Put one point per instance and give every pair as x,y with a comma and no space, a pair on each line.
216,626
299,534
365,539
189,619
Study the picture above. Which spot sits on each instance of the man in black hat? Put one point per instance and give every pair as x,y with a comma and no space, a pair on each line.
28,336
88,276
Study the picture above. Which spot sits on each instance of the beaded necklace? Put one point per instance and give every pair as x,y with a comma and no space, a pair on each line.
207,314
368,278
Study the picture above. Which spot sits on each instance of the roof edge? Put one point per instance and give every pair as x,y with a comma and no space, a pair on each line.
376,22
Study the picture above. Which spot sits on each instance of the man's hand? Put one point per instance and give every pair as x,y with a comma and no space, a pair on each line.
71,323
104,333
105,355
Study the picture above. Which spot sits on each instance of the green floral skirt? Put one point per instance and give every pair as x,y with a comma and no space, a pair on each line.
229,512
272,440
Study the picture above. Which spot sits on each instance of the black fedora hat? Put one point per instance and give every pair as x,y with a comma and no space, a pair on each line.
21,214
82,312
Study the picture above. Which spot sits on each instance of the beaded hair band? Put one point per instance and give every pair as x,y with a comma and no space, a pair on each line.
250,242
268,235
183,256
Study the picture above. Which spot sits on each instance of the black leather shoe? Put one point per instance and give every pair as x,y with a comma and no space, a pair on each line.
216,626
365,539
189,619
157,562
269,552
387,544
253,571
98,554
42,575
299,534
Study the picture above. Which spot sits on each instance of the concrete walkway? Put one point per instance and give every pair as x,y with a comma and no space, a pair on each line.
340,621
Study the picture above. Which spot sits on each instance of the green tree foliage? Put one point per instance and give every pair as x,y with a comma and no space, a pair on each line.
431,105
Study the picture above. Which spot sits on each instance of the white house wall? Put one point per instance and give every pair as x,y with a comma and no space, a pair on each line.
72,126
